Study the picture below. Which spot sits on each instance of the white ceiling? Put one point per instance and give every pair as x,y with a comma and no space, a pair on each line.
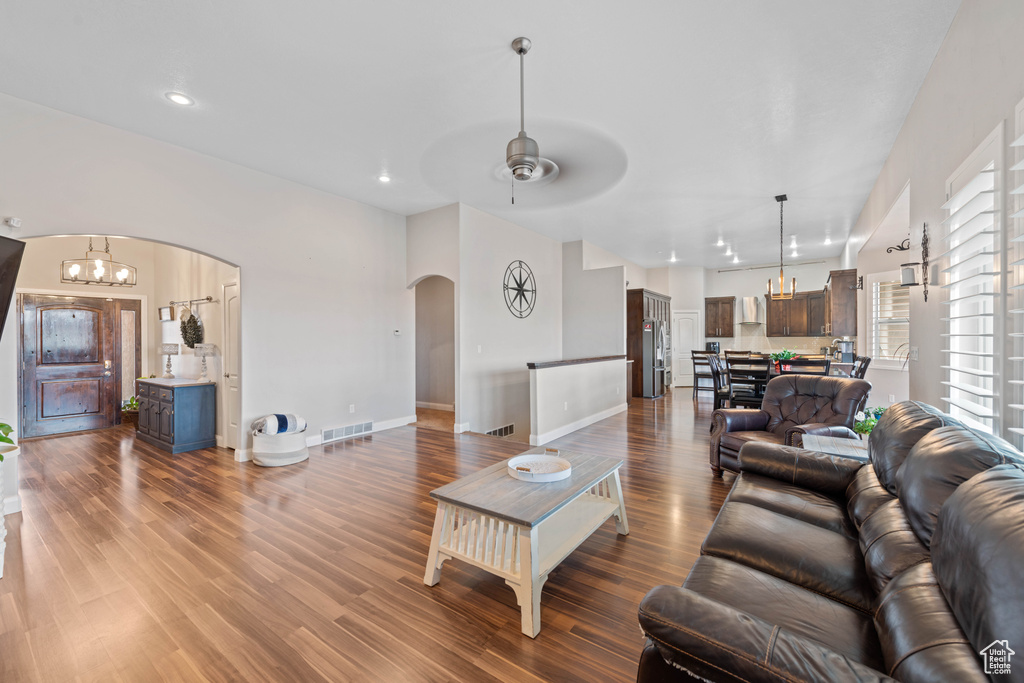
674,122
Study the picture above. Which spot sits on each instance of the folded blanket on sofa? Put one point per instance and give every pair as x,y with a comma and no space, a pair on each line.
278,424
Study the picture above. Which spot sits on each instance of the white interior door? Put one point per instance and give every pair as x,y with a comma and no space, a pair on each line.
232,366
686,337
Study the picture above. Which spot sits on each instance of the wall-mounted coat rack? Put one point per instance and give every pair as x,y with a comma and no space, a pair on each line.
189,302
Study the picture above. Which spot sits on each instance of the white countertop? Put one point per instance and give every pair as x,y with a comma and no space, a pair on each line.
176,382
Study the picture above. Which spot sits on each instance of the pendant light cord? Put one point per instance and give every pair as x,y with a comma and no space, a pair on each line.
780,235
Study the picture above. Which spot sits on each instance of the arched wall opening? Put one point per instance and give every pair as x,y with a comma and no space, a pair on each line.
166,273
436,375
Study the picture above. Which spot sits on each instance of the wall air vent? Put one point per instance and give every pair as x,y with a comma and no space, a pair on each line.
503,431
346,432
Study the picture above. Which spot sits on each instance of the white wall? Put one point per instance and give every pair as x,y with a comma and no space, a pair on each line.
495,345
569,397
435,343
593,306
324,277
974,83
743,283
595,257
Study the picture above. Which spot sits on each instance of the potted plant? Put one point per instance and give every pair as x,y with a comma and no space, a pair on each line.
784,354
7,446
130,411
865,420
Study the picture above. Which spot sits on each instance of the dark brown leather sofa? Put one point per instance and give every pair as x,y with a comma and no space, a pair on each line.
821,568
793,405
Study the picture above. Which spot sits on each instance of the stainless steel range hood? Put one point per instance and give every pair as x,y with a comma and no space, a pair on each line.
750,311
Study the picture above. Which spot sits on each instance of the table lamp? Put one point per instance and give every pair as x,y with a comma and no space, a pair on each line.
204,351
169,350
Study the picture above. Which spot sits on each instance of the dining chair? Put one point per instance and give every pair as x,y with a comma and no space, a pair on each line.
805,366
720,381
701,370
860,366
747,379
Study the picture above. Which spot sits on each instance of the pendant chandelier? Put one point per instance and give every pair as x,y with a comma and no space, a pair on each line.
781,295
97,268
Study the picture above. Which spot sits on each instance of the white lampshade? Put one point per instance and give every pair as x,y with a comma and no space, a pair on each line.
205,350
169,349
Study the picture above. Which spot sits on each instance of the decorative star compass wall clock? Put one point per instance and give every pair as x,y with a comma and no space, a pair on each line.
520,289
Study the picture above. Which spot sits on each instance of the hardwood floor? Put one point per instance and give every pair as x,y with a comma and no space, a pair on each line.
130,564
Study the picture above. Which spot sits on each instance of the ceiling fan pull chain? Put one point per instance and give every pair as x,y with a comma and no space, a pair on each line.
513,190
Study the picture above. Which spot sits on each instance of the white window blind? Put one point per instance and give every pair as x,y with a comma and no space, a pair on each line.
970,259
890,320
1014,384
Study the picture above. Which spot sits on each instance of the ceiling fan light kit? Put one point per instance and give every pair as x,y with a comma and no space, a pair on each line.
781,295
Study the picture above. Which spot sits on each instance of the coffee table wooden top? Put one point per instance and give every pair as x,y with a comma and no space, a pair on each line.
492,491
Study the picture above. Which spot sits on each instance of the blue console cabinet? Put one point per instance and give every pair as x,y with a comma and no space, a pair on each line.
178,415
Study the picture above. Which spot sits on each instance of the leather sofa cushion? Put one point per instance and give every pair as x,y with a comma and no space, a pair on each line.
864,495
817,559
794,400
792,501
848,631
900,427
889,544
920,638
734,441
978,553
941,461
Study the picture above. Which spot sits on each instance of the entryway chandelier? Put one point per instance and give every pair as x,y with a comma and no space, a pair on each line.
781,296
91,270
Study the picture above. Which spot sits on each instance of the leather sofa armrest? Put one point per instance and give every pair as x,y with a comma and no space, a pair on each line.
739,420
821,472
818,429
707,638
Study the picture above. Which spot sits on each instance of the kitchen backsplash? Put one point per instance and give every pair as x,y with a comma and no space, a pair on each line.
752,338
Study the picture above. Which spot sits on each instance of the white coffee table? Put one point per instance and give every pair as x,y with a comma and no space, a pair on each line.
519,530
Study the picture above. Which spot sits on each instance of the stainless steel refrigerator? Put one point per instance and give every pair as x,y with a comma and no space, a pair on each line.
653,359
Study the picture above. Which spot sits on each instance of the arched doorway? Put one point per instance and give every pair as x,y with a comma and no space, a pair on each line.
435,353
136,323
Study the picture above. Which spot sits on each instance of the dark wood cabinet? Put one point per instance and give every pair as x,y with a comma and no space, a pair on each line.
841,303
178,415
719,316
815,314
642,304
787,317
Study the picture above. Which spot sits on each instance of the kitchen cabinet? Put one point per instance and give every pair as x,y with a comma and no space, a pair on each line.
841,303
719,316
816,314
644,304
787,317
177,415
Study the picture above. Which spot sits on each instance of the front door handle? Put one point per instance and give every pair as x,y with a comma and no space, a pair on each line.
107,373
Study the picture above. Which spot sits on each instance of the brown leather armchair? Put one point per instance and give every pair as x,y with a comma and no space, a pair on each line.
793,405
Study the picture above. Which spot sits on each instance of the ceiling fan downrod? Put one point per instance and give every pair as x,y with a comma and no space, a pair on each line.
522,154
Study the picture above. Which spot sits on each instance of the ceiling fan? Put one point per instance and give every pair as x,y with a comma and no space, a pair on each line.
522,155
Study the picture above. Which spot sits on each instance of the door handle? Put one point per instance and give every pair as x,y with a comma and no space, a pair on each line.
227,375
107,373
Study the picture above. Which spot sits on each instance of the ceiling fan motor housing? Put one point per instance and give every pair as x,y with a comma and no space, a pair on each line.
522,156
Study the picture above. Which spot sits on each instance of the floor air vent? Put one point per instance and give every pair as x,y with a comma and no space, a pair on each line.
503,431
348,431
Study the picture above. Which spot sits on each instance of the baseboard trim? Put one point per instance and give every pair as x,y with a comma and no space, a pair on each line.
391,424
243,454
12,504
461,427
541,439
448,407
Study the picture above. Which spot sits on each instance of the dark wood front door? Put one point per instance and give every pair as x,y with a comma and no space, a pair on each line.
70,364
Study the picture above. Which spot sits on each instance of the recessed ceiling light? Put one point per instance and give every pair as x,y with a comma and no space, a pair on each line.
180,98
384,178
828,241
794,254
720,242
735,259
728,252
673,259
